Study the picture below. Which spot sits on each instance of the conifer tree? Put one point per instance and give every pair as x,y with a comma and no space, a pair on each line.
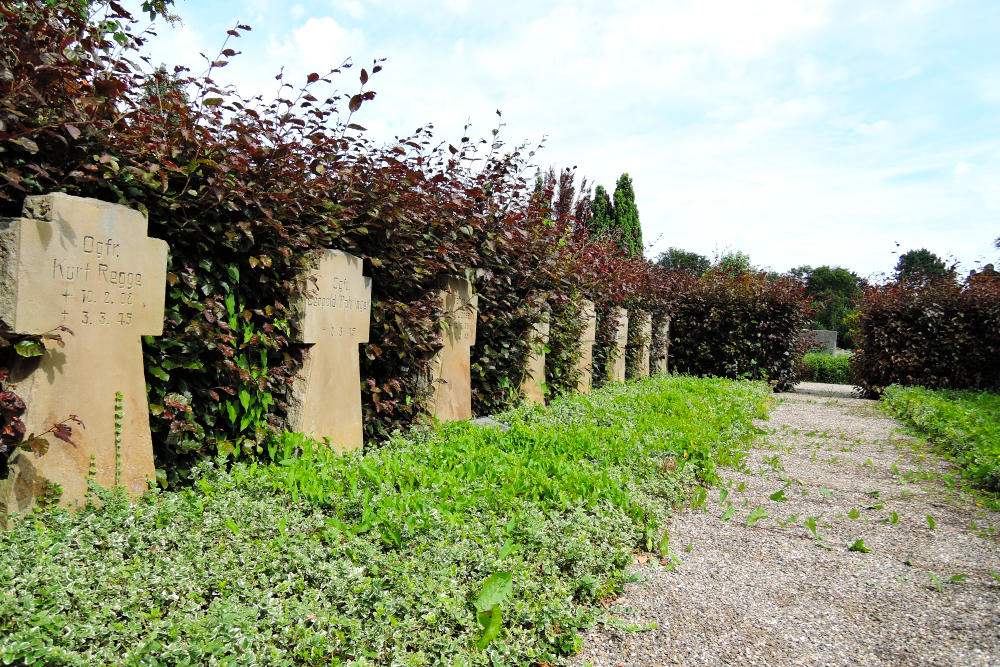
626,217
602,213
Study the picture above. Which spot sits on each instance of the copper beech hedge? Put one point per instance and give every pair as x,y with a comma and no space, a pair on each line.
244,189
936,333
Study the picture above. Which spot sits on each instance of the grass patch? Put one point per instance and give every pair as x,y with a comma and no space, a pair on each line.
965,425
463,545
825,367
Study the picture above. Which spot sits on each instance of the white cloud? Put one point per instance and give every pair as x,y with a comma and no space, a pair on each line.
319,44
352,8
875,129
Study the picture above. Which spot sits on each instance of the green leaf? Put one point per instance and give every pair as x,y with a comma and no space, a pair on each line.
956,578
854,513
930,522
859,545
893,518
156,371
29,348
728,514
495,590
491,621
779,496
756,515
244,398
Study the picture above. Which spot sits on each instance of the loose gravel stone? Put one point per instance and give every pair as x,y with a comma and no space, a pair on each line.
772,594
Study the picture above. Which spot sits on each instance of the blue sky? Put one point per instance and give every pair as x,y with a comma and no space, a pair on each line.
796,131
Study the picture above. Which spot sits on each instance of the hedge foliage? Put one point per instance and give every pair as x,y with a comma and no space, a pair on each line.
738,324
935,333
825,367
246,190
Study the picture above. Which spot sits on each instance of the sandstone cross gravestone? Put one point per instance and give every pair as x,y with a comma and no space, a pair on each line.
86,265
534,379
335,311
645,324
620,321
450,372
584,365
661,347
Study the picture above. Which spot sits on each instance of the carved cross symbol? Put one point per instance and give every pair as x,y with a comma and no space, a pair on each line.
336,310
86,265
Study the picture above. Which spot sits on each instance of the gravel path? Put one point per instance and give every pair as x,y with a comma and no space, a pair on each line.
771,594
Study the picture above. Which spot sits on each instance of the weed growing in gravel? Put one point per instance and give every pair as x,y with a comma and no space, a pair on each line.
859,545
410,553
756,515
779,496
930,522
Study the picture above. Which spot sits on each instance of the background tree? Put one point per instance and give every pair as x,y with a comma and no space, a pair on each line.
834,291
734,262
626,216
920,265
676,259
601,213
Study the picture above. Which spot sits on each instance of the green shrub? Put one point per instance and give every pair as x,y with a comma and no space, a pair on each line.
376,557
825,367
737,324
964,424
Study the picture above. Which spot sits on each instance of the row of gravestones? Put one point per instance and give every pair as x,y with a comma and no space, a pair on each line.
88,266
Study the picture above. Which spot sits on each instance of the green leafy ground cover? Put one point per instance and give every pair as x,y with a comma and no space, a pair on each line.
965,424
825,367
464,545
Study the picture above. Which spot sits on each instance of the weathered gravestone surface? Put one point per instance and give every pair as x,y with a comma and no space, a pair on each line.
585,363
450,373
661,347
534,379
820,339
621,339
645,324
89,266
336,310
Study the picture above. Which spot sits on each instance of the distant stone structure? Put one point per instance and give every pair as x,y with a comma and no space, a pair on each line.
451,374
645,324
820,339
532,388
661,347
617,362
584,366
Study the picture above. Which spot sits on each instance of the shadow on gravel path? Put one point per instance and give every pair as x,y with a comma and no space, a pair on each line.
772,593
